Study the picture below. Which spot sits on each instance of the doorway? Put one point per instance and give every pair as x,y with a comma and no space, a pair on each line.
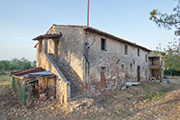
102,78
138,73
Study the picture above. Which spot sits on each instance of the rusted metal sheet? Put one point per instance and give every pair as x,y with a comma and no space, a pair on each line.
24,72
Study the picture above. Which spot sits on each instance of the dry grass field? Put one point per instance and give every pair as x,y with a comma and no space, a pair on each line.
147,101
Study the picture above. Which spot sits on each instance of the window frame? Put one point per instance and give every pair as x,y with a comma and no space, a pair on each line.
130,67
126,49
103,44
138,52
122,67
40,46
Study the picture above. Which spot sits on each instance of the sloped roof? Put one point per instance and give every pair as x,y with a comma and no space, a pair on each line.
34,73
47,36
35,45
93,30
24,72
90,29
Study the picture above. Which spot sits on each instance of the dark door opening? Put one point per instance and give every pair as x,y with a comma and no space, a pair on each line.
102,78
138,73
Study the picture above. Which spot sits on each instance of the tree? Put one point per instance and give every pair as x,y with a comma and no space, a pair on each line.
4,66
172,57
168,59
167,21
21,64
33,64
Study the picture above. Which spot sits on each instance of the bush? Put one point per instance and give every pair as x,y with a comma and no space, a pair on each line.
174,72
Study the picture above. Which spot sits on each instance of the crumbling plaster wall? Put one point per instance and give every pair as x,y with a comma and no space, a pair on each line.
62,87
112,58
70,51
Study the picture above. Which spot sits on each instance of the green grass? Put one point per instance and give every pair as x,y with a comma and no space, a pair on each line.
128,98
160,93
5,80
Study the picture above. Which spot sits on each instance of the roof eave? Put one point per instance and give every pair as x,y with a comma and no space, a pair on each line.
47,36
90,29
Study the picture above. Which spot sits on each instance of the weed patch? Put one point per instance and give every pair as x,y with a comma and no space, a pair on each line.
5,78
160,93
128,98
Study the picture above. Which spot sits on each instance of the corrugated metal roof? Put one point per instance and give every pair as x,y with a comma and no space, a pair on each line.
44,73
24,72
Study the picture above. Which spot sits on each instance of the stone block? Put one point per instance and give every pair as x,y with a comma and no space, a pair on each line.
164,81
123,88
157,80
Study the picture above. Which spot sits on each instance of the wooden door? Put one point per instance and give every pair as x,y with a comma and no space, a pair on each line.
138,73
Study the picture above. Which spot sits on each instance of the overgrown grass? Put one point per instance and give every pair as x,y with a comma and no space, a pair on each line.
5,80
5,77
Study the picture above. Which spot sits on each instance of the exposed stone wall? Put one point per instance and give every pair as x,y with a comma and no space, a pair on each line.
70,48
50,83
62,88
111,59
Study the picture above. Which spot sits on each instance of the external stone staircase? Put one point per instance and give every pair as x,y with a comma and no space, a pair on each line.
74,87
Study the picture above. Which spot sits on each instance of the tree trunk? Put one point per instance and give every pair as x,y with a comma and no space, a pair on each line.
171,72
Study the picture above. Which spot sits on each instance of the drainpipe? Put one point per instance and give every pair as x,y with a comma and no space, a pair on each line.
87,68
86,55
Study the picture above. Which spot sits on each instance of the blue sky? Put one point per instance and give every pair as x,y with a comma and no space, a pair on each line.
22,20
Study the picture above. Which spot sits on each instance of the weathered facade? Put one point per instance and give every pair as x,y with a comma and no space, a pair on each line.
91,61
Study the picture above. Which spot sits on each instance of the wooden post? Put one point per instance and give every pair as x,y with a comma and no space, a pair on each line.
54,87
88,14
46,81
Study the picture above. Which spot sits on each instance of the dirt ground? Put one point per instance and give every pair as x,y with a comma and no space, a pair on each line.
149,100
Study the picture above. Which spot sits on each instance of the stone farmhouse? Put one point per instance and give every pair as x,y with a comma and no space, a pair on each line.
87,60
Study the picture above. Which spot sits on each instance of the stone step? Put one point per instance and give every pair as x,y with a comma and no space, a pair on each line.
68,79
62,69
74,95
74,92
73,86
67,76
74,89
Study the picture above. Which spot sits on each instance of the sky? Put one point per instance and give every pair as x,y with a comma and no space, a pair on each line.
23,20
